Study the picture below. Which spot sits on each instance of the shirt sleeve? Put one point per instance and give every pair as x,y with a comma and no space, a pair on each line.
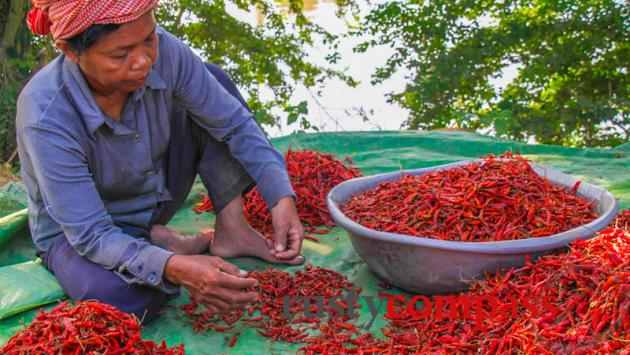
72,200
217,111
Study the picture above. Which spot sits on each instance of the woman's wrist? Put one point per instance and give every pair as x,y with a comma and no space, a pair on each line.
172,269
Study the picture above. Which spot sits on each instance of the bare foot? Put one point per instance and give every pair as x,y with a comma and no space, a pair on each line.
245,241
180,244
234,237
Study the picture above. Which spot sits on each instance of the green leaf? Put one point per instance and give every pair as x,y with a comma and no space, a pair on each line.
302,108
260,116
305,123
501,126
291,118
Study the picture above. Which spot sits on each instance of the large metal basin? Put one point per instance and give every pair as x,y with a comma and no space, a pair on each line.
431,266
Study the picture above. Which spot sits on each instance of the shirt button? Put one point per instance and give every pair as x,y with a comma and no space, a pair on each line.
152,278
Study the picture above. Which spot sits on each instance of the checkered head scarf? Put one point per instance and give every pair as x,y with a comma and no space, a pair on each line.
67,18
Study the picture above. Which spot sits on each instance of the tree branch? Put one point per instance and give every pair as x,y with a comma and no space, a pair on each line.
334,119
13,156
15,17
178,18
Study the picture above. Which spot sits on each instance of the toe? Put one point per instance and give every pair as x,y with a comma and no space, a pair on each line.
298,260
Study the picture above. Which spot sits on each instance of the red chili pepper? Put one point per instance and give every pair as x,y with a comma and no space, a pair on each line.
310,237
233,340
222,329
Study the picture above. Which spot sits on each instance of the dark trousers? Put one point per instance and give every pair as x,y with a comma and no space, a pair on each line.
192,151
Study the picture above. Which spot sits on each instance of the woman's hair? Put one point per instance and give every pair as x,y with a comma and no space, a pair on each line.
87,38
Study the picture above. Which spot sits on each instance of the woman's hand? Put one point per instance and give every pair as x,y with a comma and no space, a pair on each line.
211,281
287,228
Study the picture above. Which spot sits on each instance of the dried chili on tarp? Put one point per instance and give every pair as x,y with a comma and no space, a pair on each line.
312,176
497,199
589,287
85,328
275,288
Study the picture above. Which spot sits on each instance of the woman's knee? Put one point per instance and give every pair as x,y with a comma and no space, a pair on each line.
84,280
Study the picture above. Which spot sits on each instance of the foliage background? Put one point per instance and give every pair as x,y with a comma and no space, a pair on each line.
572,57
572,86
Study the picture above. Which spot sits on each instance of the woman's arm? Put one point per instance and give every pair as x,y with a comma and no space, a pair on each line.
72,200
214,109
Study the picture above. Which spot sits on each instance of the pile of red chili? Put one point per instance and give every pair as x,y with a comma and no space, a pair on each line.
589,287
86,328
312,176
500,198
276,287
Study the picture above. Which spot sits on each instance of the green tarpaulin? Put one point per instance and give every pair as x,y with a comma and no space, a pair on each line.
374,152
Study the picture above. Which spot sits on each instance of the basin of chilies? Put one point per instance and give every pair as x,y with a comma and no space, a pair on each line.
432,266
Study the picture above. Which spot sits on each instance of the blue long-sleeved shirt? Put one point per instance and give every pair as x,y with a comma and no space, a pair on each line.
86,174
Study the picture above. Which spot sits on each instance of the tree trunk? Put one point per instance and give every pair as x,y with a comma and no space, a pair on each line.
15,19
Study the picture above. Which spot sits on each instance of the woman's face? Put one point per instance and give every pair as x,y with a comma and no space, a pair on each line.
120,61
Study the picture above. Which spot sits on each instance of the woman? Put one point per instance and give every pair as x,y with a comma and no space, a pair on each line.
111,135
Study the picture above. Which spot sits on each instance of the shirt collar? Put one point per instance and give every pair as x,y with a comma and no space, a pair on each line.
83,98
154,81
81,95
